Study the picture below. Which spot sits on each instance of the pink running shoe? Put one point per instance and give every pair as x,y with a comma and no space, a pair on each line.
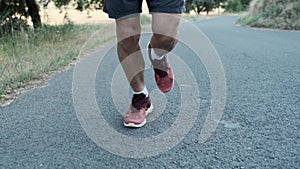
139,109
163,73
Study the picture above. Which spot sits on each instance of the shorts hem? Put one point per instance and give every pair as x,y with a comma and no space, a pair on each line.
122,16
177,11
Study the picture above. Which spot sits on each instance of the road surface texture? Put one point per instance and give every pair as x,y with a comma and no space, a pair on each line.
259,128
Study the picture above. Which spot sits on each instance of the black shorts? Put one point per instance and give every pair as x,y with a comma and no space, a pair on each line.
121,8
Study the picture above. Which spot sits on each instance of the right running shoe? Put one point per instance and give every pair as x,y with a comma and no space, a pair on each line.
163,73
139,109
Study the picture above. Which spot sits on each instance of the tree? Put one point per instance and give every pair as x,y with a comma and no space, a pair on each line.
245,3
80,4
207,5
202,5
13,13
33,11
234,6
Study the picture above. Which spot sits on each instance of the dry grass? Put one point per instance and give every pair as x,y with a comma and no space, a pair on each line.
31,57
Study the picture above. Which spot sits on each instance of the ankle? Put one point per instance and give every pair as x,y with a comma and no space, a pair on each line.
154,56
144,91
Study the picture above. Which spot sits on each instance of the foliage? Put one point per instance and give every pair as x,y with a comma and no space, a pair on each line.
245,3
202,5
234,6
80,4
273,14
14,13
207,5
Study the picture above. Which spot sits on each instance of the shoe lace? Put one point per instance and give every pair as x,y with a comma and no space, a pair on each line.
139,101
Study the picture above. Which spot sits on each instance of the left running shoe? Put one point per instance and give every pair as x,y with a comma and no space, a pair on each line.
163,73
139,109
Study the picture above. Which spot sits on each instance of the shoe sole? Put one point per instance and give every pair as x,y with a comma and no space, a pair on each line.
132,125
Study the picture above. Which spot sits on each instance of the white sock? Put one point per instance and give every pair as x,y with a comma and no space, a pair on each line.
154,56
145,91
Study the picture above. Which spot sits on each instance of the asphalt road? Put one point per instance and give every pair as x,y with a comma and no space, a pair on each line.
259,128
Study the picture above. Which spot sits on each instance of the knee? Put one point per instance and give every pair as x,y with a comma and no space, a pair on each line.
130,44
128,37
164,42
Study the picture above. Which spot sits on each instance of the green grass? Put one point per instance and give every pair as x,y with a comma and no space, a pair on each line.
248,20
274,14
31,55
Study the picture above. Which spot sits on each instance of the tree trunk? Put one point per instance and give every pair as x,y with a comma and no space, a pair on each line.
33,10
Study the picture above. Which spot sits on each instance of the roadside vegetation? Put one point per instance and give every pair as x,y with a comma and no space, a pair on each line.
30,54
276,14
207,6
